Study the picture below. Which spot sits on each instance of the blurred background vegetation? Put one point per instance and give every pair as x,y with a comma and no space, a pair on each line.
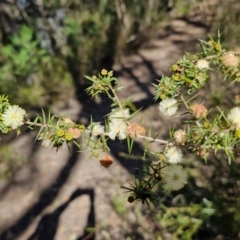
47,46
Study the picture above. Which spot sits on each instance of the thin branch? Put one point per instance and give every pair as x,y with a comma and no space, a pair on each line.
119,104
105,134
214,56
185,103
38,124
153,139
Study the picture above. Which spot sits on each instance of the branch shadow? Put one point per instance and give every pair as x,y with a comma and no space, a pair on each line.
47,226
45,199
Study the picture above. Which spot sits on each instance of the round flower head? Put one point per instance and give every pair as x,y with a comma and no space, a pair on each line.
174,177
117,127
76,133
13,117
198,110
174,155
230,60
234,117
180,136
135,129
202,64
168,106
97,129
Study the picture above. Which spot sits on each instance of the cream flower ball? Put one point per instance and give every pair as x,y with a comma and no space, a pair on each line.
173,154
234,116
174,176
168,106
202,64
14,116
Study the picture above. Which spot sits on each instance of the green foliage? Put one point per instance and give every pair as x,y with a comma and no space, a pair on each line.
55,131
4,103
184,221
88,34
28,74
119,205
9,161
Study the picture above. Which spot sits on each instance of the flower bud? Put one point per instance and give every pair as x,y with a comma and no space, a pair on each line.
104,72
180,136
237,133
198,110
203,153
106,161
175,68
110,74
131,199
95,154
230,60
